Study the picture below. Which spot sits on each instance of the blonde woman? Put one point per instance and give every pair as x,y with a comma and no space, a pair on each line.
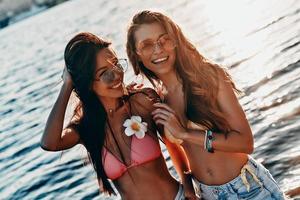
201,111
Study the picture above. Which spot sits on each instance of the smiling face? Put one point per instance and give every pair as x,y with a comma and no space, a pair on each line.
108,78
155,48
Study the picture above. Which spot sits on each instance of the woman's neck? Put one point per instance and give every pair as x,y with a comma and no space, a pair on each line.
111,104
170,80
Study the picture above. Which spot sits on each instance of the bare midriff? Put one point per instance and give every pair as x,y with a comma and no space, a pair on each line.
151,180
214,168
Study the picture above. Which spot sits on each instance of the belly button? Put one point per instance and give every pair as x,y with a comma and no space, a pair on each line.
210,172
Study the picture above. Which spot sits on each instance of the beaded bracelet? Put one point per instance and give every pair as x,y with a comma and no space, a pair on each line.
208,141
205,140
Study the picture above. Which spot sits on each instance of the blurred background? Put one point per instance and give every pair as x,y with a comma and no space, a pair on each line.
258,41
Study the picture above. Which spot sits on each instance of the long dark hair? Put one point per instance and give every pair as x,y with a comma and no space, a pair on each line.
90,116
199,77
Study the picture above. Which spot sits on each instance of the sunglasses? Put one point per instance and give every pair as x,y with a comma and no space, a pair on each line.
118,65
146,47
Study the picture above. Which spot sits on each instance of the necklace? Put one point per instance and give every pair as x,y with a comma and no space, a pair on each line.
111,111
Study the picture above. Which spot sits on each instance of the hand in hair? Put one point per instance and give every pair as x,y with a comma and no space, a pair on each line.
66,77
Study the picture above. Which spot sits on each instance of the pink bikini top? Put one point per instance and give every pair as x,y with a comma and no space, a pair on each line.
142,151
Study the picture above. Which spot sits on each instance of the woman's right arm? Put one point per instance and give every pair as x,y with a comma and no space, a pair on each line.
56,138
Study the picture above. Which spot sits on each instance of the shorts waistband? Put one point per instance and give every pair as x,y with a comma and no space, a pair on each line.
249,167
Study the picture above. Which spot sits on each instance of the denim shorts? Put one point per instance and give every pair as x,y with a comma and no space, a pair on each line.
180,193
255,182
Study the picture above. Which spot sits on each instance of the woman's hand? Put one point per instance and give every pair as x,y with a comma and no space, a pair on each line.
66,77
167,117
171,138
189,191
134,87
55,137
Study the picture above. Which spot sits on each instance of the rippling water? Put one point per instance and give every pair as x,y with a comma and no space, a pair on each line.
257,40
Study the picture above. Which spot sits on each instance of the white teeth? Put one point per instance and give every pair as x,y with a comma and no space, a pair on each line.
116,86
160,60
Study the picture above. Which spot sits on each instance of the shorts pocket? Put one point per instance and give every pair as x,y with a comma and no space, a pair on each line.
241,189
272,186
253,193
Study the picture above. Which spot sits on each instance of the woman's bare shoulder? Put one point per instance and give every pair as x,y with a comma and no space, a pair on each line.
143,99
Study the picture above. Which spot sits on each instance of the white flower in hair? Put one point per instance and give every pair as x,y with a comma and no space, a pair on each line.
134,125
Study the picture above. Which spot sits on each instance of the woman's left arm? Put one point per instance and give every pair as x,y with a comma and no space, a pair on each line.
181,164
240,139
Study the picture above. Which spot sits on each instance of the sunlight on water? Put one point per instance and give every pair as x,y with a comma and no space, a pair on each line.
257,40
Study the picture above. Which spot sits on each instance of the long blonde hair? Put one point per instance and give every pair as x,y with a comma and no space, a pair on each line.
200,78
